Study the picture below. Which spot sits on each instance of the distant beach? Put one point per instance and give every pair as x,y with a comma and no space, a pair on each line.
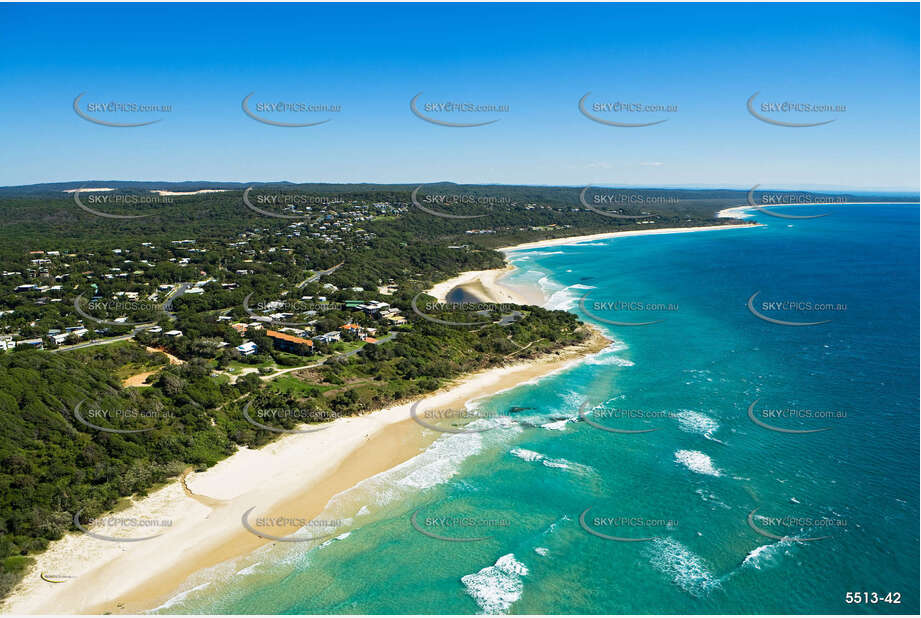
575,240
492,285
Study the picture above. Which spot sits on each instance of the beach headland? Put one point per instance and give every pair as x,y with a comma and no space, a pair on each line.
492,285
298,473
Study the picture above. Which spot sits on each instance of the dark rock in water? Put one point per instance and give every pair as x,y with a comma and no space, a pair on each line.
517,409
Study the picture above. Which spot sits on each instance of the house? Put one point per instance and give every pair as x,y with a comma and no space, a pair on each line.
173,333
375,307
393,316
247,348
155,329
31,343
290,343
329,337
352,328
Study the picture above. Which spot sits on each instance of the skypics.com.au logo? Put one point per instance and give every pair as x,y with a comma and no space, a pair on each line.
272,112
119,420
438,112
435,203
113,112
626,529
605,112
783,108
617,203
479,313
106,203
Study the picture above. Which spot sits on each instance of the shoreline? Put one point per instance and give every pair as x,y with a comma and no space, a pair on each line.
486,286
575,240
489,285
741,212
297,473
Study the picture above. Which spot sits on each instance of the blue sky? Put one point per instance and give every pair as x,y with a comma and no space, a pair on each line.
539,60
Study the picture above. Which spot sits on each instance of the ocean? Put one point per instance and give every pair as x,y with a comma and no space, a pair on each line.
711,460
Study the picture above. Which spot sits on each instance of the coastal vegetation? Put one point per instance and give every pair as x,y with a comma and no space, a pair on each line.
171,291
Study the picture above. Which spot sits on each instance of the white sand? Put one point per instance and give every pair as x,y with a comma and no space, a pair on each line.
485,285
575,240
206,528
164,192
742,212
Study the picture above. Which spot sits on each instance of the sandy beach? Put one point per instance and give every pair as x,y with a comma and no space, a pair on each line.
744,211
490,285
199,192
296,474
487,286
575,240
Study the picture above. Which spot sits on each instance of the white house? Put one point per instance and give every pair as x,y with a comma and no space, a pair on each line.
247,348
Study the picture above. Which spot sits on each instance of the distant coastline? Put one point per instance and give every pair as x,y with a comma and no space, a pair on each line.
575,240
491,285
742,212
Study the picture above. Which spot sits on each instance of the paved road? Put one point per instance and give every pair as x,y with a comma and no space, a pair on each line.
316,277
95,342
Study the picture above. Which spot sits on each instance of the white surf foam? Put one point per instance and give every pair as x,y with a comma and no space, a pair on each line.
682,566
561,297
525,454
695,461
496,588
609,356
696,422
248,570
767,555
549,462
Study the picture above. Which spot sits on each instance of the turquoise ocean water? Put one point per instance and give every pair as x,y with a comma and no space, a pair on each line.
727,515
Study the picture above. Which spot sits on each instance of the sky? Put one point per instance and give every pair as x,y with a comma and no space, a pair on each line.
704,60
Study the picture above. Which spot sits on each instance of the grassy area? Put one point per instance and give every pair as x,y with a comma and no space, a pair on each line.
290,385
